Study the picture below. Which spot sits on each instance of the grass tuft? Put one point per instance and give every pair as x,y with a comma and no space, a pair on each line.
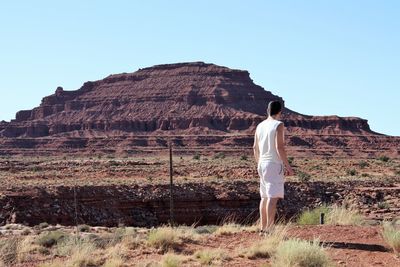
163,238
49,239
312,216
299,253
339,215
334,215
303,177
391,235
211,256
266,248
172,260
228,228
8,251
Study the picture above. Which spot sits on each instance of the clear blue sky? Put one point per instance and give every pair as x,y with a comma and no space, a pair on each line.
323,57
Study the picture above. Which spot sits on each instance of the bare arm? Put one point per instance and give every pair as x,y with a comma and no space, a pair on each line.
280,143
256,149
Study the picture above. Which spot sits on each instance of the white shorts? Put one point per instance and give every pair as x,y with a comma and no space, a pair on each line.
271,179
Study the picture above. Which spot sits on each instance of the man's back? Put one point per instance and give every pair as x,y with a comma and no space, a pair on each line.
266,135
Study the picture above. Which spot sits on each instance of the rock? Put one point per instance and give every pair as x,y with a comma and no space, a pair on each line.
200,104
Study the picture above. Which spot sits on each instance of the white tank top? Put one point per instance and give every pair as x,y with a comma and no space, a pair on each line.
266,136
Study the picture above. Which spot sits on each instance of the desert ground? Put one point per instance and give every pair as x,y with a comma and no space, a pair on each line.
358,241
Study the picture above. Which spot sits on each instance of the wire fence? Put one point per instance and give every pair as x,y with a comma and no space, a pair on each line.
7,258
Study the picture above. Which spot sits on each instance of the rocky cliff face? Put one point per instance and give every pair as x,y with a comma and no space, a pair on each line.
200,203
186,99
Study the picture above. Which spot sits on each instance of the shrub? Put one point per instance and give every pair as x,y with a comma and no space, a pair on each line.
196,156
219,155
384,158
312,216
290,160
49,239
163,238
299,253
303,176
334,215
43,225
243,157
83,228
363,164
383,205
391,235
351,172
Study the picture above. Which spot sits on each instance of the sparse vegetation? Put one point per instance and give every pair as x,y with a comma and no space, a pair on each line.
228,228
49,239
335,215
206,229
83,228
163,238
196,156
266,248
299,253
391,235
219,155
303,176
172,260
351,172
43,225
211,256
312,216
363,164
339,215
8,251
383,205
384,158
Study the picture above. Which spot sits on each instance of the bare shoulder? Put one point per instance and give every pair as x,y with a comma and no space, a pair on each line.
280,126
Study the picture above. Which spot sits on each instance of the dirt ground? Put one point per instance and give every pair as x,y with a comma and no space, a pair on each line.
351,246
30,171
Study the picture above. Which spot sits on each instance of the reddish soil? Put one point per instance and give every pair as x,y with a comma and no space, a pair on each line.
352,246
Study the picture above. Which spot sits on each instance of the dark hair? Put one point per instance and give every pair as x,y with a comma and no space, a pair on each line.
274,107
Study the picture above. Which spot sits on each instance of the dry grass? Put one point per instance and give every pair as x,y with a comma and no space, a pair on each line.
9,251
211,256
339,215
228,228
334,215
26,248
391,235
266,248
299,253
164,238
172,260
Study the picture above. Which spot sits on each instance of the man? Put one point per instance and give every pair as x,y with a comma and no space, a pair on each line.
272,163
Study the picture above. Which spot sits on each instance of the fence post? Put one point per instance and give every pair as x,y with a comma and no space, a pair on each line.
171,187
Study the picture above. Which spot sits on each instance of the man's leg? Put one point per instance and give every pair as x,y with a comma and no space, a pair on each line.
271,211
263,213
